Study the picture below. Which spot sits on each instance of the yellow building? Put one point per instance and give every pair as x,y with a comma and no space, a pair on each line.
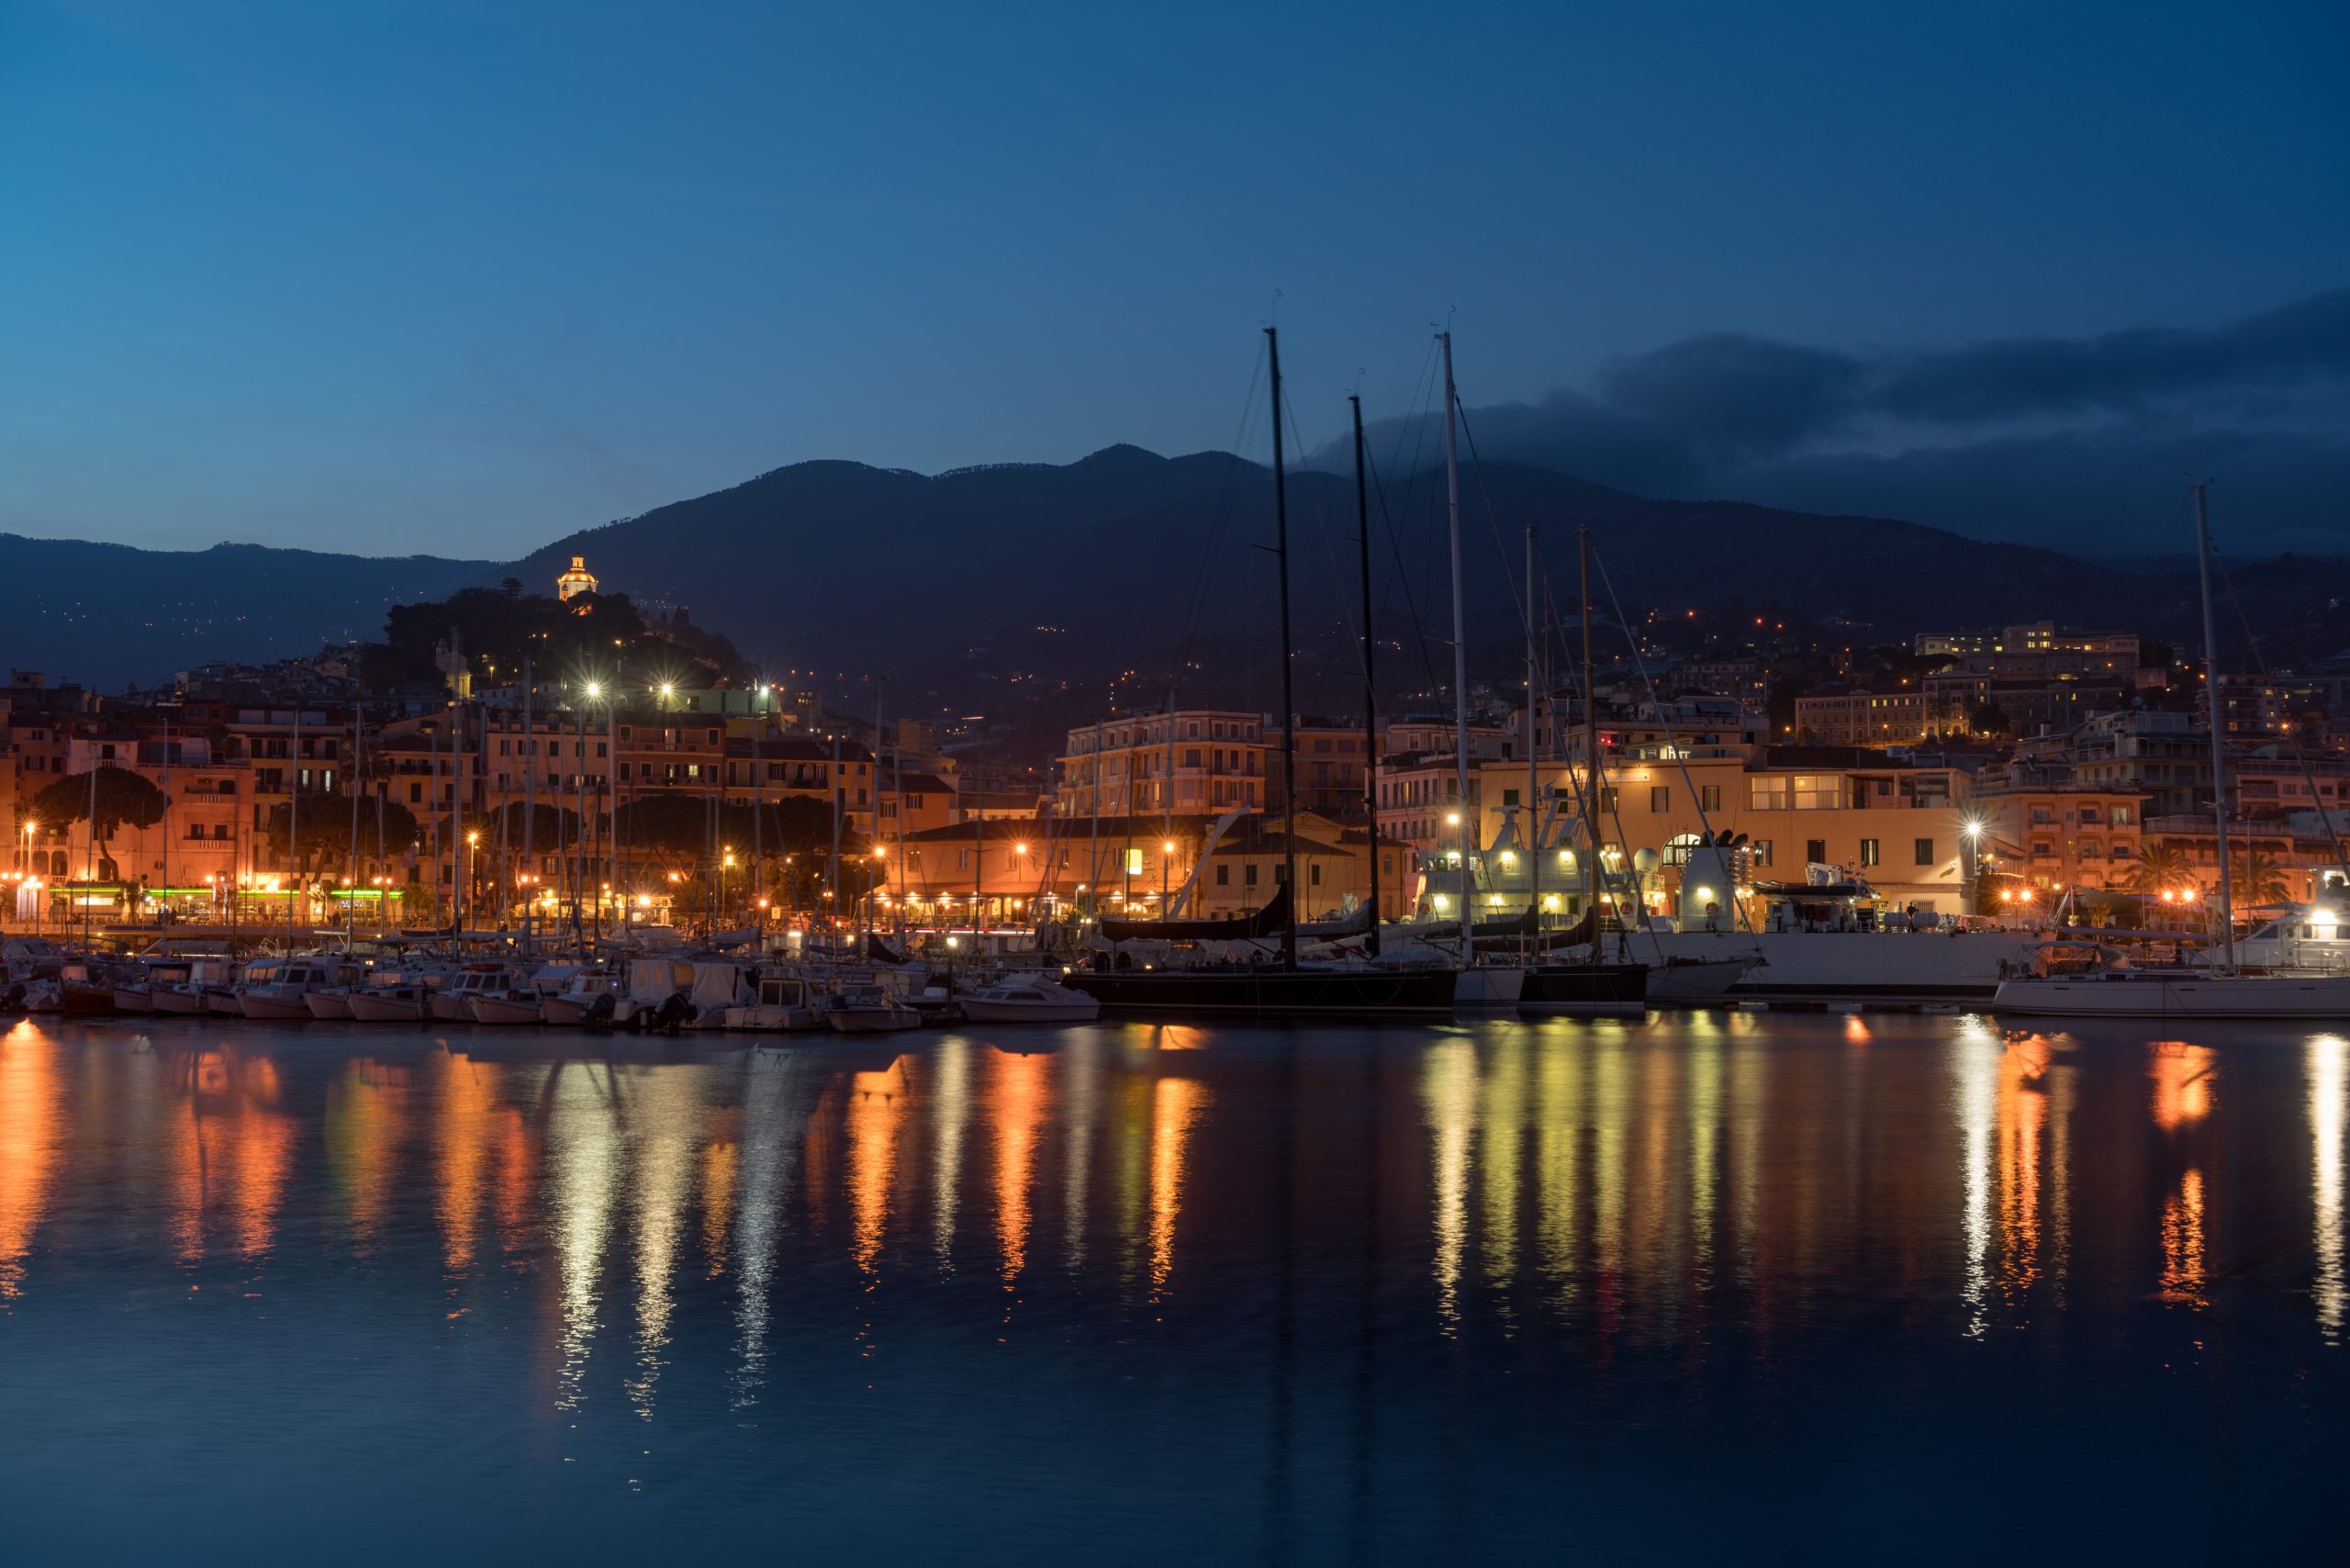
1895,824
576,581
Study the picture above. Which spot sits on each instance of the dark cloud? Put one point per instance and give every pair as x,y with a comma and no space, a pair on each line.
2076,442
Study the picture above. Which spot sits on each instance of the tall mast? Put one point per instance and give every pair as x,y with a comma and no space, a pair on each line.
1289,702
1594,801
1533,834
611,795
292,824
351,853
1464,838
530,804
840,805
1093,866
1370,689
2218,747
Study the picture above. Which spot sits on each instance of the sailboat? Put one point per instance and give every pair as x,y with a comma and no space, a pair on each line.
2085,980
1284,986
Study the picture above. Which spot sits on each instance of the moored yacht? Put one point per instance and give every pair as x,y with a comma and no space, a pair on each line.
1030,999
279,987
450,1001
868,1010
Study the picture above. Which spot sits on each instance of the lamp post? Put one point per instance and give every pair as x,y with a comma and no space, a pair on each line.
1166,854
464,892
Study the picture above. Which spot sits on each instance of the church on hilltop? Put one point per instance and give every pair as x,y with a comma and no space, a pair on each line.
576,581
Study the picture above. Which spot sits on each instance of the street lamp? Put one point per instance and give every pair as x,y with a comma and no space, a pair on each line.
1166,853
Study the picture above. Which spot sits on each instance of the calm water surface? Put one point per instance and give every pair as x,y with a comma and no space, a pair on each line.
1711,1286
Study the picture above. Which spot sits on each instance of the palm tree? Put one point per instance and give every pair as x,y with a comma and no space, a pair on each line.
2161,866
2257,878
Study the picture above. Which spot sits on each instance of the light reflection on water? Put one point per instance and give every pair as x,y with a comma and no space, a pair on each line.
1544,1263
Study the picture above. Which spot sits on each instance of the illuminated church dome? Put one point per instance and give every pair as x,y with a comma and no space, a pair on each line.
577,580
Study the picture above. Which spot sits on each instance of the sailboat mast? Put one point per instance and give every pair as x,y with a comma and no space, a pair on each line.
1288,703
1370,689
1459,667
2219,745
1595,799
1533,834
530,803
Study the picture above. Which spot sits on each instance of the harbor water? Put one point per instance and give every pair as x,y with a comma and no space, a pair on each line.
1692,1288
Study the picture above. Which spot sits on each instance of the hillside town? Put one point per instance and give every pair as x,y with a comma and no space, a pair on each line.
1968,774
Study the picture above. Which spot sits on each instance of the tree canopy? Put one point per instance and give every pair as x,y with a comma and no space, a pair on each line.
324,826
677,823
122,795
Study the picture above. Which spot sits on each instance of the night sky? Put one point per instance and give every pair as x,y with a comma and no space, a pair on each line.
464,277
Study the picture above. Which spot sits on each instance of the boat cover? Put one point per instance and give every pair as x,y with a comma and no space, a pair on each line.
1265,921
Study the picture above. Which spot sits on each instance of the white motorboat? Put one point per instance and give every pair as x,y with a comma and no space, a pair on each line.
784,1003
404,1000
1032,1000
868,1010
137,994
190,995
280,988
451,1002
524,1002
329,1004
581,997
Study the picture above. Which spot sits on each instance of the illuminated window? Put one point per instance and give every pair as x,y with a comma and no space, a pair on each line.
1133,862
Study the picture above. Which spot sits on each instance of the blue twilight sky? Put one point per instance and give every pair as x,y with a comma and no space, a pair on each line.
460,278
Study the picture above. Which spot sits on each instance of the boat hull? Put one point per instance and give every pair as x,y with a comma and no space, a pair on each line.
328,1007
128,999
2140,995
450,1009
871,1020
222,1005
1818,965
1695,982
1303,993
504,1009
274,1008
181,1003
1590,989
386,1009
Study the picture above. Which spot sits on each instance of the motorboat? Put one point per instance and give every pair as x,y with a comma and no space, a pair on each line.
403,999
78,989
868,1010
451,1002
190,996
784,1002
1030,1000
522,1004
279,988
329,1004
583,997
